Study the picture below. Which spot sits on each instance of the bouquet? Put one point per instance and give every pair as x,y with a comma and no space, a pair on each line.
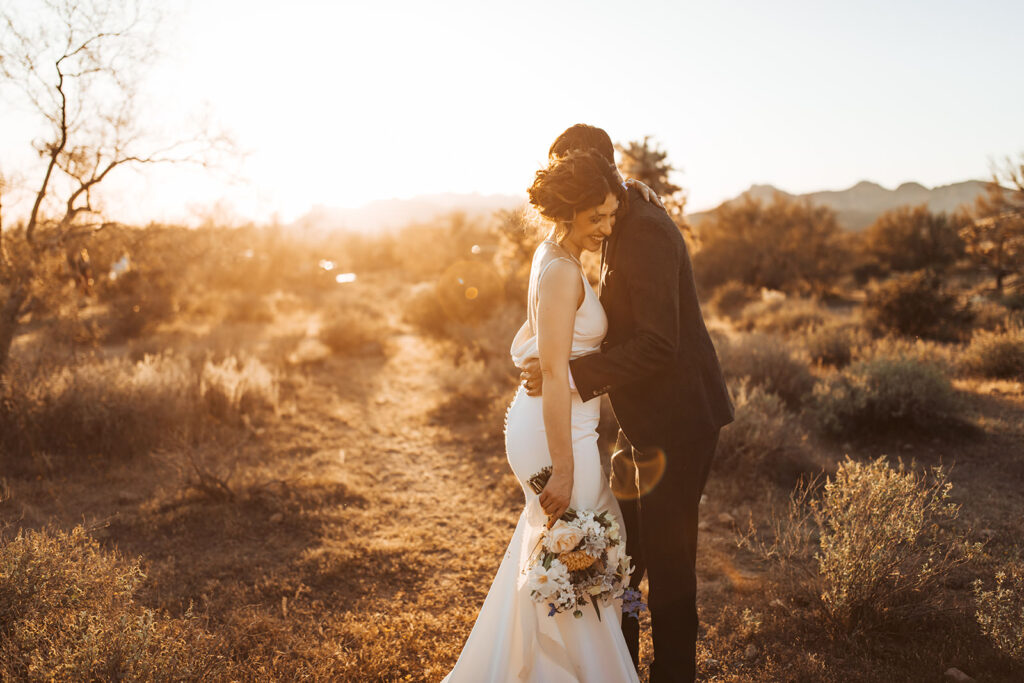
580,559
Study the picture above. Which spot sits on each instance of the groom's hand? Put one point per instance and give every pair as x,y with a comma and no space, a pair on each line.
531,376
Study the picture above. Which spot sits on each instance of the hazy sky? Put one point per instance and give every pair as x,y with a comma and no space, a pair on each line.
341,103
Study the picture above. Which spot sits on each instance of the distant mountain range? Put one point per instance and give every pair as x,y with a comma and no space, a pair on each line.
858,207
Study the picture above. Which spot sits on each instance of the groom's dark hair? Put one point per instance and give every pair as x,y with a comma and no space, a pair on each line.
582,137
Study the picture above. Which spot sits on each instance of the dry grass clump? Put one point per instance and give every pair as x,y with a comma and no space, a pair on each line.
885,543
67,613
234,389
834,343
764,437
1000,612
354,331
782,315
885,394
768,362
119,409
114,408
996,354
918,305
730,298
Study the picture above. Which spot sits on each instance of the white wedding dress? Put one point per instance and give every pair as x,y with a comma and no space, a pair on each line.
513,638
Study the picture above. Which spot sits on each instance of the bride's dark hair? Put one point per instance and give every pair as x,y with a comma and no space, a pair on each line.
572,183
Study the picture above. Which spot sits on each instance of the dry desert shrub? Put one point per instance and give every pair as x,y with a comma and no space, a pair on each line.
422,309
918,305
834,343
996,354
730,298
67,613
768,362
764,437
871,546
886,394
1000,612
352,330
782,315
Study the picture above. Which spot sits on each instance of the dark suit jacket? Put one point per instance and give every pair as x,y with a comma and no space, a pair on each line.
657,362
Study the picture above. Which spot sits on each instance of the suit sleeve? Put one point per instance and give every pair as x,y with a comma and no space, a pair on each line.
650,261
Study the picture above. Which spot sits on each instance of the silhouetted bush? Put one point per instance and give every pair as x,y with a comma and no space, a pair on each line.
884,395
913,238
996,354
918,305
67,613
138,302
768,362
787,244
422,309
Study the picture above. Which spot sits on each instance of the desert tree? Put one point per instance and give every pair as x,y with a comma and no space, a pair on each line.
78,66
786,244
648,163
911,238
993,231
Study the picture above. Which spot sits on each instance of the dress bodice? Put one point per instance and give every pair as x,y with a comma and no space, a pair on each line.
590,325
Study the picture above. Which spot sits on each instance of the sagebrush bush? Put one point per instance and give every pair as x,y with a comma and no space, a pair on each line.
886,543
67,613
918,305
730,298
782,315
996,354
768,362
1000,612
834,343
354,331
943,357
137,302
872,546
885,395
763,437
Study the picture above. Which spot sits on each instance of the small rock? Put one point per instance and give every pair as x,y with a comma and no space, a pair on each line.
703,498
711,663
726,518
750,652
276,518
779,604
955,674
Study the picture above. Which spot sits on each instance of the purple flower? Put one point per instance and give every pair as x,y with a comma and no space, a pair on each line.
553,610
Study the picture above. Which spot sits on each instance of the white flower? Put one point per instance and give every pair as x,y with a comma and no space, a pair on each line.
562,537
547,582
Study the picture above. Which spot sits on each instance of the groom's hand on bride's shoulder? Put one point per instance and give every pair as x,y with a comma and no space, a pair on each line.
531,376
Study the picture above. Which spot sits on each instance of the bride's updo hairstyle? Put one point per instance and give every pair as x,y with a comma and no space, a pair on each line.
575,182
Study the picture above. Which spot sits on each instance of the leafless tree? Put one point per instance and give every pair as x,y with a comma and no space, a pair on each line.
79,66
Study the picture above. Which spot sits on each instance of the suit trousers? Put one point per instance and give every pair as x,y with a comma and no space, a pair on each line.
661,538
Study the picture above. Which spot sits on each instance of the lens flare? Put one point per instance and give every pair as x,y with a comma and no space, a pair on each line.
637,475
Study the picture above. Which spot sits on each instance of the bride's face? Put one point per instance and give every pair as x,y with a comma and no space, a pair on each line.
591,227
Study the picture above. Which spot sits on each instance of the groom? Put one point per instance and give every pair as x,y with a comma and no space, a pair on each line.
661,373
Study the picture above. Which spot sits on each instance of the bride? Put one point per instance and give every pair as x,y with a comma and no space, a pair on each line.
514,637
